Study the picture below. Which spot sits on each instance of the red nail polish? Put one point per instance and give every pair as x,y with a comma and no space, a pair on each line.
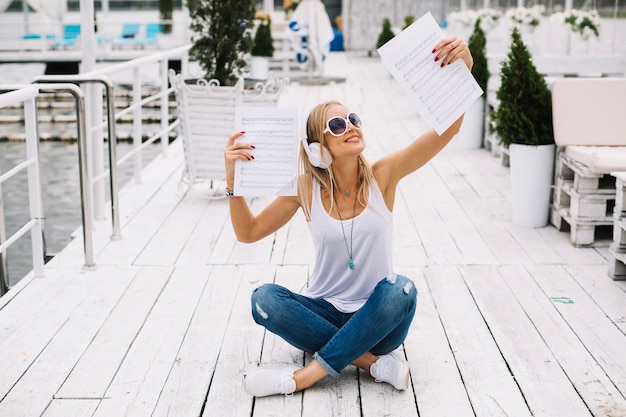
242,132
253,147
434,50
251,156
442,65
436,58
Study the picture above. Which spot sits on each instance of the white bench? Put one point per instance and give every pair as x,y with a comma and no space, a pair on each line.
552,67
588,118
617,250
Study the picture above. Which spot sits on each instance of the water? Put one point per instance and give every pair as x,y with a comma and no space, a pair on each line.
61,197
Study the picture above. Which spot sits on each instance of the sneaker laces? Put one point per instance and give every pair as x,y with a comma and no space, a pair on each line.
284,384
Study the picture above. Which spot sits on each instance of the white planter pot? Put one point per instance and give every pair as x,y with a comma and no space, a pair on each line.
471,134
259,67
532,170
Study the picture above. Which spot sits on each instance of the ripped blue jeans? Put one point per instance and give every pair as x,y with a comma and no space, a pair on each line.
336,339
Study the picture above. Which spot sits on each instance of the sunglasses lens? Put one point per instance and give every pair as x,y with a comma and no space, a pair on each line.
355,120
337,126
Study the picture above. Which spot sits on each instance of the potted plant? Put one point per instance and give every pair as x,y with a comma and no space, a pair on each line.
408,21
166,11
472,131
262,49
386,34
221,37
523,123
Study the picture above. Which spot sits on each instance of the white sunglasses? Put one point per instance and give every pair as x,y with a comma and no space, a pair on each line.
337,125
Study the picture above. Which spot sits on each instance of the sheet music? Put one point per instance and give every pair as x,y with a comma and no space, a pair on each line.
274,169
440,95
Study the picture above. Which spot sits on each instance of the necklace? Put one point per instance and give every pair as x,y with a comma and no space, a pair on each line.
346,191
343,232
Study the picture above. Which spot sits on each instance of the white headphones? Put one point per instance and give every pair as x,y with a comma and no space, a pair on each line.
316,156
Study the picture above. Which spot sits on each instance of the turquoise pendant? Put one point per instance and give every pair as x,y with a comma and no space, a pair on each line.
348,195
351,265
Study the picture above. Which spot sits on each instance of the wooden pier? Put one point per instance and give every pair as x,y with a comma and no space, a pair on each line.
510,322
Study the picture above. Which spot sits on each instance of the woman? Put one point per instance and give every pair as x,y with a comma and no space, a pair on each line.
355,309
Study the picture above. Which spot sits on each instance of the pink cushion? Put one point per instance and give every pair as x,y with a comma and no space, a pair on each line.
589,111
599,159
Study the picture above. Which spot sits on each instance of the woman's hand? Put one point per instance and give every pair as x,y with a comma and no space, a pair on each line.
452,49
234,151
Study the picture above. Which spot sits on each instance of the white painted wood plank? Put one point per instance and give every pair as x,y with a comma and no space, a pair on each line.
433,366
143,227
490,386
570,254
476,197
538,249
257,252
587,376
97,367
204,237
242,348
408,249
22,347
443,194
74,408
189,381
546,387
379,399
140,379
169,239
597,332
334,396
37,387
438,243
132,197
607,294
299,247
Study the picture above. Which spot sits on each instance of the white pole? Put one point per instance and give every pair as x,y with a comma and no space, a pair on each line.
93,105
25,12
569,5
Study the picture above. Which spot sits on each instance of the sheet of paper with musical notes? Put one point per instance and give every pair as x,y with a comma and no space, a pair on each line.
440,95
274,169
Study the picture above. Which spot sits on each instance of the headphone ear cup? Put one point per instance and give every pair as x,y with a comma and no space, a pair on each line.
316,156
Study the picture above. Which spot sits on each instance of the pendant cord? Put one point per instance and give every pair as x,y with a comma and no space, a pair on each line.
345,240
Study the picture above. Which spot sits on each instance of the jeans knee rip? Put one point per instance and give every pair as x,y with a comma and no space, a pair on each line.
391,278
261,312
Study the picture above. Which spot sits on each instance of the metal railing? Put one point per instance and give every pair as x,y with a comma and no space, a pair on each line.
89,133
26,96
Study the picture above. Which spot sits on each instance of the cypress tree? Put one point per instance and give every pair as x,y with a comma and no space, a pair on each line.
524,113
221,36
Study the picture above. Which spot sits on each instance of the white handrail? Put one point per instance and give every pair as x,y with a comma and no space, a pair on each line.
92,106
25,95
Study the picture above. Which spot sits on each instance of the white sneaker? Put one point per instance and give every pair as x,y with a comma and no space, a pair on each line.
261,382
392,370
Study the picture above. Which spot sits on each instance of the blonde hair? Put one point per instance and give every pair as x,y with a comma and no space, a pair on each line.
315,125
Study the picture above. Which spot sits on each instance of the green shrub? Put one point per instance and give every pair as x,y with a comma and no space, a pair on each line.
524,112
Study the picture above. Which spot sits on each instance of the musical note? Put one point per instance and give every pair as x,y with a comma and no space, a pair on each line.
441,95
273,132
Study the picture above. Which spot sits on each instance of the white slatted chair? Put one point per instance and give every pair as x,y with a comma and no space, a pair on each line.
207,114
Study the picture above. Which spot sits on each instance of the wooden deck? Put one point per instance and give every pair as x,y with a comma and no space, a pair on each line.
510,321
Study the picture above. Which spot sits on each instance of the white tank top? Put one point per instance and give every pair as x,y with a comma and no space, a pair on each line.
332,279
